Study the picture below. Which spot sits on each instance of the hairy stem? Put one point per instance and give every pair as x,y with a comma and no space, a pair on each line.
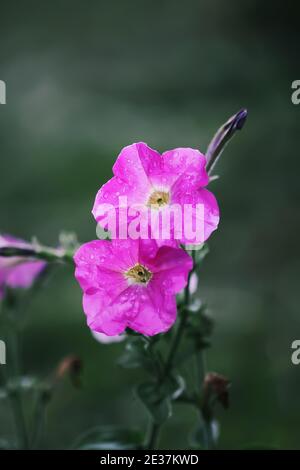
155,427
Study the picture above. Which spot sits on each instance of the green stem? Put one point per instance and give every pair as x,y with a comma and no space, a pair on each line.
209,440
175,344
153,435
17,407
39,418
42,252
200,372
16,396
155,427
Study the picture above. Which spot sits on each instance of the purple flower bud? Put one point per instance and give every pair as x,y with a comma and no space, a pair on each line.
222,137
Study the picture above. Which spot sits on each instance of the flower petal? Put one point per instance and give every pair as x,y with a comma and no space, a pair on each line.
186,165
171,268
133,170
17,272
207,219
100,263
156,311
23,274
100,317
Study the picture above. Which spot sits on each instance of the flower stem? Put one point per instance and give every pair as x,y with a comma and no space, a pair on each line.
41,252
155,427
176,342
39,417
17,407
153,435
201,370
16,396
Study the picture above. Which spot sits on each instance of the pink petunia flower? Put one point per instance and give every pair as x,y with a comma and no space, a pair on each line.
159,184
130,283
17,272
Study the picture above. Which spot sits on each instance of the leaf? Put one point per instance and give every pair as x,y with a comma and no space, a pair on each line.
199,325
109,438
173,386
157,402
157,397
191,348
138,353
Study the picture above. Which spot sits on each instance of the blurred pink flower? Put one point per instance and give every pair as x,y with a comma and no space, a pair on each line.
159,182
17,272
130,283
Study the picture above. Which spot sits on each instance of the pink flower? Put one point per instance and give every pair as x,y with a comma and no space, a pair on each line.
159,182
130,283
17,271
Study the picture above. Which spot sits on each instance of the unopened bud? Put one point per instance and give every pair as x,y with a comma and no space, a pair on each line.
72,366
222,137
215,389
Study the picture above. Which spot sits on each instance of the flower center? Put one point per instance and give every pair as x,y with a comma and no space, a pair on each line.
138,274
158,199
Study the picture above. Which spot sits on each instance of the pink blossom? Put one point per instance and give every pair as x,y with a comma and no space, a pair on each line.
130,283
159,182
17,272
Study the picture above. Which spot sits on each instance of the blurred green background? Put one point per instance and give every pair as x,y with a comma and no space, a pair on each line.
85,79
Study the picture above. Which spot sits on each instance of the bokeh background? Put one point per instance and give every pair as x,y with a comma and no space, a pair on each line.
85,79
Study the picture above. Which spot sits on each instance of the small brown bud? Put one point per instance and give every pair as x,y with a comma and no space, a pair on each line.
72,366
216,387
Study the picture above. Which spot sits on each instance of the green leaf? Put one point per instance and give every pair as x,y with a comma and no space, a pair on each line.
138,353
173,386
157,397
157,402
190,348
109,438
199,325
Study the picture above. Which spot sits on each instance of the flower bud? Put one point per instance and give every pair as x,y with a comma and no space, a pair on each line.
72,366
215,389
222,137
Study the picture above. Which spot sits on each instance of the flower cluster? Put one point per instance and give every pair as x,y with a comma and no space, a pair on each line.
132,283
